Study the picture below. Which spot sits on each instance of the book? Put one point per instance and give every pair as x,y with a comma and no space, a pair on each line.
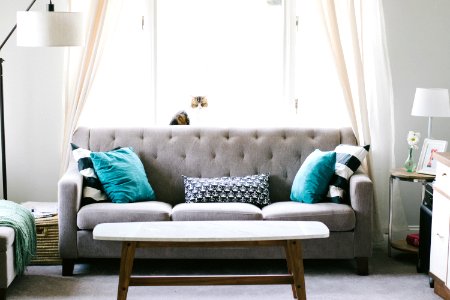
42,209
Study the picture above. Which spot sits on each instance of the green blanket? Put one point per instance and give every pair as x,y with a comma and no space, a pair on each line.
22,220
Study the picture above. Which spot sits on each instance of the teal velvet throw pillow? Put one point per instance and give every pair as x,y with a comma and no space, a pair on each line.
122,175
311,181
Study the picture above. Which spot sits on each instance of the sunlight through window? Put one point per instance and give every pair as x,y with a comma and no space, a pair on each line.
162,53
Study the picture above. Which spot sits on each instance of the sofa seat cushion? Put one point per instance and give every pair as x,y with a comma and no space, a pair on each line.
93,214
337,217
6,237
215,211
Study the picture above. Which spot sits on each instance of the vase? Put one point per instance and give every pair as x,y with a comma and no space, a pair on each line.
410,165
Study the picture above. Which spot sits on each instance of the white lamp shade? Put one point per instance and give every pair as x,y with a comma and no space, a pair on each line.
431,103
49,29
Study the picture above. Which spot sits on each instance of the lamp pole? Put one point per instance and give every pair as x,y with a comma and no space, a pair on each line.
430,120
2,131
2,111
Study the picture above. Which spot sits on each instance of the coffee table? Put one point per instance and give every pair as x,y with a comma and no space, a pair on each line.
287,234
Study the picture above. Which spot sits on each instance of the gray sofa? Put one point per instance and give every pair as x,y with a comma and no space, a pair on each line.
169,152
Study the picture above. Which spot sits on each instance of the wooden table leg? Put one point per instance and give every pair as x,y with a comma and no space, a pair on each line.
126,266
289,266
294,257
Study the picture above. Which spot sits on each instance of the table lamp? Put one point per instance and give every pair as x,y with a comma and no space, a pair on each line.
431,103
39,29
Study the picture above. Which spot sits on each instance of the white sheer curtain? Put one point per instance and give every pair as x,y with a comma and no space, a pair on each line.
356,34
380,101
81,64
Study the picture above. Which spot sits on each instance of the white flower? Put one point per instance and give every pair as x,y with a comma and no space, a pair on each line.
413,139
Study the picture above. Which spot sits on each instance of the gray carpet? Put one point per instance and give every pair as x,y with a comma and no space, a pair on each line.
390,278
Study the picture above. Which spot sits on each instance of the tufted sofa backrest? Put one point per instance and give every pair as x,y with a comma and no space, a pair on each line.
171,151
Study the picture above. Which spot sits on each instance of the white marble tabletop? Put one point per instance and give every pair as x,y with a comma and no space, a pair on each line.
210,231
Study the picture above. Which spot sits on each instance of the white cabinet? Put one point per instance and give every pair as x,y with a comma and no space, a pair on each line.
439,236
440,227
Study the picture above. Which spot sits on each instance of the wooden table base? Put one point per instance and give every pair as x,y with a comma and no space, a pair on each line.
294,259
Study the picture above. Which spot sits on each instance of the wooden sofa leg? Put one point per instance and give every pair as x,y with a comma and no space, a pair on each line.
2,293
67,267
362,266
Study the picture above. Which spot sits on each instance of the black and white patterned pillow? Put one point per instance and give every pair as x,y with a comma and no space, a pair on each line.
348,160
252,189
92,187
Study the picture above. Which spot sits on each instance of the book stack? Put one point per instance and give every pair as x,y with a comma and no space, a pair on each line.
42,209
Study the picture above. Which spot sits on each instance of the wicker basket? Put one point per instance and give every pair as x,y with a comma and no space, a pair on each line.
47,250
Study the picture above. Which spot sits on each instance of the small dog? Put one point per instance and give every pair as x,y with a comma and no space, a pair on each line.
180,118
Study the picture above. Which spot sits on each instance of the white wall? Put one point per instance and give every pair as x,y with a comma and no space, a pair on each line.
33,111
419,50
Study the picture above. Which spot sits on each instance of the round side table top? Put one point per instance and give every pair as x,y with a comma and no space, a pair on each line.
402,174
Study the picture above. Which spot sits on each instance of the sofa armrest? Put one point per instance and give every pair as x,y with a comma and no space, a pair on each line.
361,200
69,198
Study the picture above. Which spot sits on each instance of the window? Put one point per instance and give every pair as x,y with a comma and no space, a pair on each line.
320,99
122,93
231,51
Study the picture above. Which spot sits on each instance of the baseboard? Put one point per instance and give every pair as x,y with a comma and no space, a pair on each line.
413,228
410,229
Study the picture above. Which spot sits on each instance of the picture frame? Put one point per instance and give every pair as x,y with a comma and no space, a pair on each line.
427,164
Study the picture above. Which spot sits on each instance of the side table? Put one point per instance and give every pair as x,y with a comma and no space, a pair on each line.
401,175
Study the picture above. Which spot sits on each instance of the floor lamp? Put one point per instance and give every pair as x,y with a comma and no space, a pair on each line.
431,103
39,29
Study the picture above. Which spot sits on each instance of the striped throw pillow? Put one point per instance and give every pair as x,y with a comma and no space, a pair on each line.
348,160
92,187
